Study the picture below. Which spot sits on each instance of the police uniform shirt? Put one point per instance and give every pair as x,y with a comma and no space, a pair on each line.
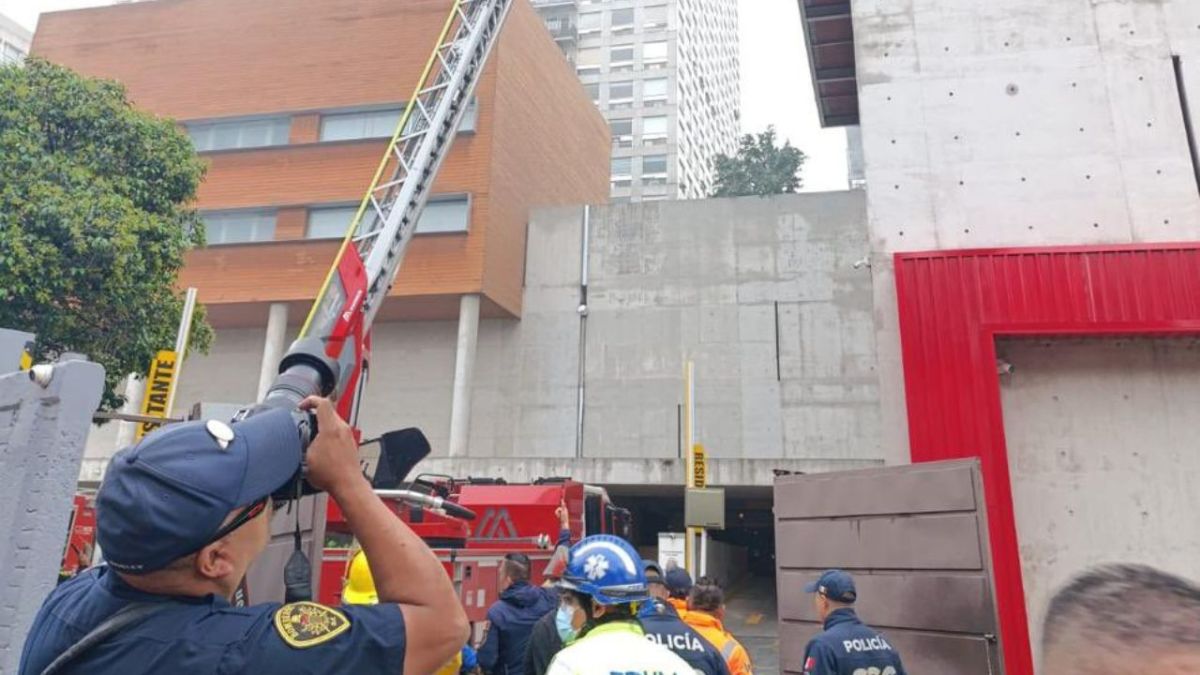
208,635
663,626
850,647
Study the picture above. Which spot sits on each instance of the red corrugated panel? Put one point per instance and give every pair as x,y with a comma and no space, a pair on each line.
953,304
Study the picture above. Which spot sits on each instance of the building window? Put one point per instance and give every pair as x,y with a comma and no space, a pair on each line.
622,19
622,171
363,124
593,91
654,130
620,95
621,58
655,17
622,133
589,22
654,53
11,54
238,226
654,165
243,133
441,214
588,60
445,214
654,90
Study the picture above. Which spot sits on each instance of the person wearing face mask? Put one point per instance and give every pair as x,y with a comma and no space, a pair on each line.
602,585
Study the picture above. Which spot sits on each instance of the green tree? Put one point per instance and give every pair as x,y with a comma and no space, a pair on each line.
95,216
760,167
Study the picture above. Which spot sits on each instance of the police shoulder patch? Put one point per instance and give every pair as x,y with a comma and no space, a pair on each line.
307,624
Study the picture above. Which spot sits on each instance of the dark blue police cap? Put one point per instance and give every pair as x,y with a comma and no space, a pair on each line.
835,585
679,582
165,497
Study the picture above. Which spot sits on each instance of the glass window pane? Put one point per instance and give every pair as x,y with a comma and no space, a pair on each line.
654,50
655,88
622,18
654,164
445,215
621,54
329,222
654,125
589,21
233,227
588,57
621,127
655,16
470,117
620,90
226,135
366,124
593,90
622,166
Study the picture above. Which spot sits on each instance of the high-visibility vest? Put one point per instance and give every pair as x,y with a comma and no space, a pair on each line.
709,626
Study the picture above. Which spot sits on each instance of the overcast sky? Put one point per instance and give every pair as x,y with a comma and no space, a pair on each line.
776,87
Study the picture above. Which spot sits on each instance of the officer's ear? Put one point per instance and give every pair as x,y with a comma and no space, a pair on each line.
214,561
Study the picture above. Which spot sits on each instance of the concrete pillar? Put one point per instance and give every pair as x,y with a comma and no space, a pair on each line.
135,389
464,368
277,318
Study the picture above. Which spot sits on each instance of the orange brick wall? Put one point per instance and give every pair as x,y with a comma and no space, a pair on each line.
203,59
563,156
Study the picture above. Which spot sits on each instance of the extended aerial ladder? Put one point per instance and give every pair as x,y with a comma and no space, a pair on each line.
330,357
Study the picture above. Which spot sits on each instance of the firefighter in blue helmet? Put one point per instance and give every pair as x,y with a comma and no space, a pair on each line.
601,587
847,646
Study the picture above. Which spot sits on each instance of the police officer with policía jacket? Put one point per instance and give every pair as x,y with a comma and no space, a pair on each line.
847,646
662,624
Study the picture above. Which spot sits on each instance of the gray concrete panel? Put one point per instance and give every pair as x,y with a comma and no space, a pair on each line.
42,434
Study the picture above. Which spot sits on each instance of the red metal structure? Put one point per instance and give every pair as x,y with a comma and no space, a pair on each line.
81,535
952,307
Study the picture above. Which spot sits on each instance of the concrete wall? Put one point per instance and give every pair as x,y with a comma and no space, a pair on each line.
1094,478
1020,123
762,293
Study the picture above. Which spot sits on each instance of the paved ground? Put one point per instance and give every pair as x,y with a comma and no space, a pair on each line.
751,616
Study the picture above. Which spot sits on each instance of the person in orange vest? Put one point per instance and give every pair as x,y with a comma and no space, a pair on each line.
706,613
679,584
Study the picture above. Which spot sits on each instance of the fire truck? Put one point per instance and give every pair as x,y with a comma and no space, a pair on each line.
471,523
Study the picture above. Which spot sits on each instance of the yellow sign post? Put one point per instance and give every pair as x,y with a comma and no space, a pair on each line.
699,468
159,386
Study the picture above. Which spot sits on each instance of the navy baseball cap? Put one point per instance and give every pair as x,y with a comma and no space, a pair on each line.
835,585
679,582
165,497
648,565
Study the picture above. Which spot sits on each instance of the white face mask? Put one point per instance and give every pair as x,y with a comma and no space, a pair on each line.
562,621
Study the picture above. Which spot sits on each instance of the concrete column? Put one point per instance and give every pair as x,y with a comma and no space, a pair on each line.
464,368
135,389
277,318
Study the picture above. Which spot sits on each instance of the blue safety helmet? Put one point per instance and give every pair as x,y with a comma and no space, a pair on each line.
607,568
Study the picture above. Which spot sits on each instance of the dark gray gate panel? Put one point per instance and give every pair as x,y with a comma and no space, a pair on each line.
915,538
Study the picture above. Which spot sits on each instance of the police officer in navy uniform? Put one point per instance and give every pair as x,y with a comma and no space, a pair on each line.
662,624
180,518
847,646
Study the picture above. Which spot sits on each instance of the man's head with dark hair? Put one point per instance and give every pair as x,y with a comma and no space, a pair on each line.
1123,618
514,569
706,596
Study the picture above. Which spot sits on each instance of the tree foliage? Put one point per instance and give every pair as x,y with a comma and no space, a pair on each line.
95,217
760,167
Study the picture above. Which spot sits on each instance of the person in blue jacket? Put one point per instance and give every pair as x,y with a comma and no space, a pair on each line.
511,618
662,624
847,645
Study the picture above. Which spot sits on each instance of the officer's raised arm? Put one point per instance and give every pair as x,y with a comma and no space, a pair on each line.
406,572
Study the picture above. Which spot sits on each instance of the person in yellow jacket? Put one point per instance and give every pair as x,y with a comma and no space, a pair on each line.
359,589
706,613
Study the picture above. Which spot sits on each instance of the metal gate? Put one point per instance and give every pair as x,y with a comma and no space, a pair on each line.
915,539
